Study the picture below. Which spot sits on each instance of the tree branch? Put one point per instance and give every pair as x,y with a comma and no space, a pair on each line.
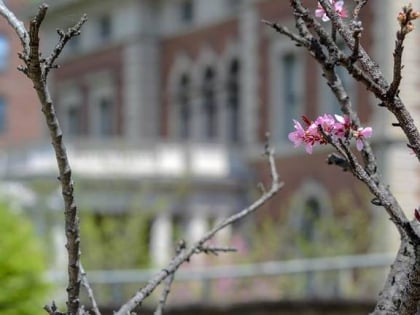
393,104
401,292
89,291
359,5
173,266
17,25
168,281
37,70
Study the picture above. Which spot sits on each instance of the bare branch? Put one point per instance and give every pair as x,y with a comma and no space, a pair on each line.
383,195
401,292
300,41
357,34
168,281
359,5
215,250
17,25
52,309
173,266
405,19
37,73
64,37
394,104
89,291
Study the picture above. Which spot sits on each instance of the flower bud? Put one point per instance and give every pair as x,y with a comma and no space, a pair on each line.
417,214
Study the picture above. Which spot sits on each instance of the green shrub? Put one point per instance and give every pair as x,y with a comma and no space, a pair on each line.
22,265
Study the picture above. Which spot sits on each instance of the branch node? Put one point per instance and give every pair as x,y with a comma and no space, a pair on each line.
376,202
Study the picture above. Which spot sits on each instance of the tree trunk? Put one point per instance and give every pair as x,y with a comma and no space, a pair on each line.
401,292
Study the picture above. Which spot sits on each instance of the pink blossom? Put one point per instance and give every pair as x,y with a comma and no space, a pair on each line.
338,7
342,125
326,122
298,136
337,127
360,134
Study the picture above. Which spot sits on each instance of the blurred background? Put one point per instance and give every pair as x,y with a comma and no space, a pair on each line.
164,105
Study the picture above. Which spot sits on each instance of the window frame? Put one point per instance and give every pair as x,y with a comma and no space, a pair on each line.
69,97
101,86
3,115
209,105
186,11
279,49
233,80
183,105
5,55
104,22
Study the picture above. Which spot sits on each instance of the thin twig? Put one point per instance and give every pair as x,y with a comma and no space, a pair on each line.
17,25
173,266
405,19
64,37
359,5
89,290
168,281
300,41
215,250
357,34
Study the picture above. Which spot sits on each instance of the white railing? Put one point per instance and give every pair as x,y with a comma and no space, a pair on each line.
271,268
356,276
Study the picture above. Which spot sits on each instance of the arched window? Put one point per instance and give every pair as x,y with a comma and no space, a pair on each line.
4,52
209,105
233,102
310,218
184,110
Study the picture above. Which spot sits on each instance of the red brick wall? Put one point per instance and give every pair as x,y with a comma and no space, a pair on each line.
105,60
23,117
216,37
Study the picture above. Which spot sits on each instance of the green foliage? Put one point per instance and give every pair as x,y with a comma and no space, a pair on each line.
22,265
345,231
115,241
300,233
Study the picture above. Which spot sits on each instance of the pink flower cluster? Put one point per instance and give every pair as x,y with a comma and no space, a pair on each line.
338,7
337,127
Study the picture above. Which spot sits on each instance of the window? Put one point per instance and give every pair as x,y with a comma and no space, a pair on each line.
233,4
184,108
4,52
330,103
104,25
233,101
209,105
3,114
290,93
74,120
310,219
105,117
186,11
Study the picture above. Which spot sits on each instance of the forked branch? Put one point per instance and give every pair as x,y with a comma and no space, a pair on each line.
185,255
36,68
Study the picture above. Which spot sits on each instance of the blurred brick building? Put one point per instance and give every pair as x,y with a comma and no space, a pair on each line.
180,93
